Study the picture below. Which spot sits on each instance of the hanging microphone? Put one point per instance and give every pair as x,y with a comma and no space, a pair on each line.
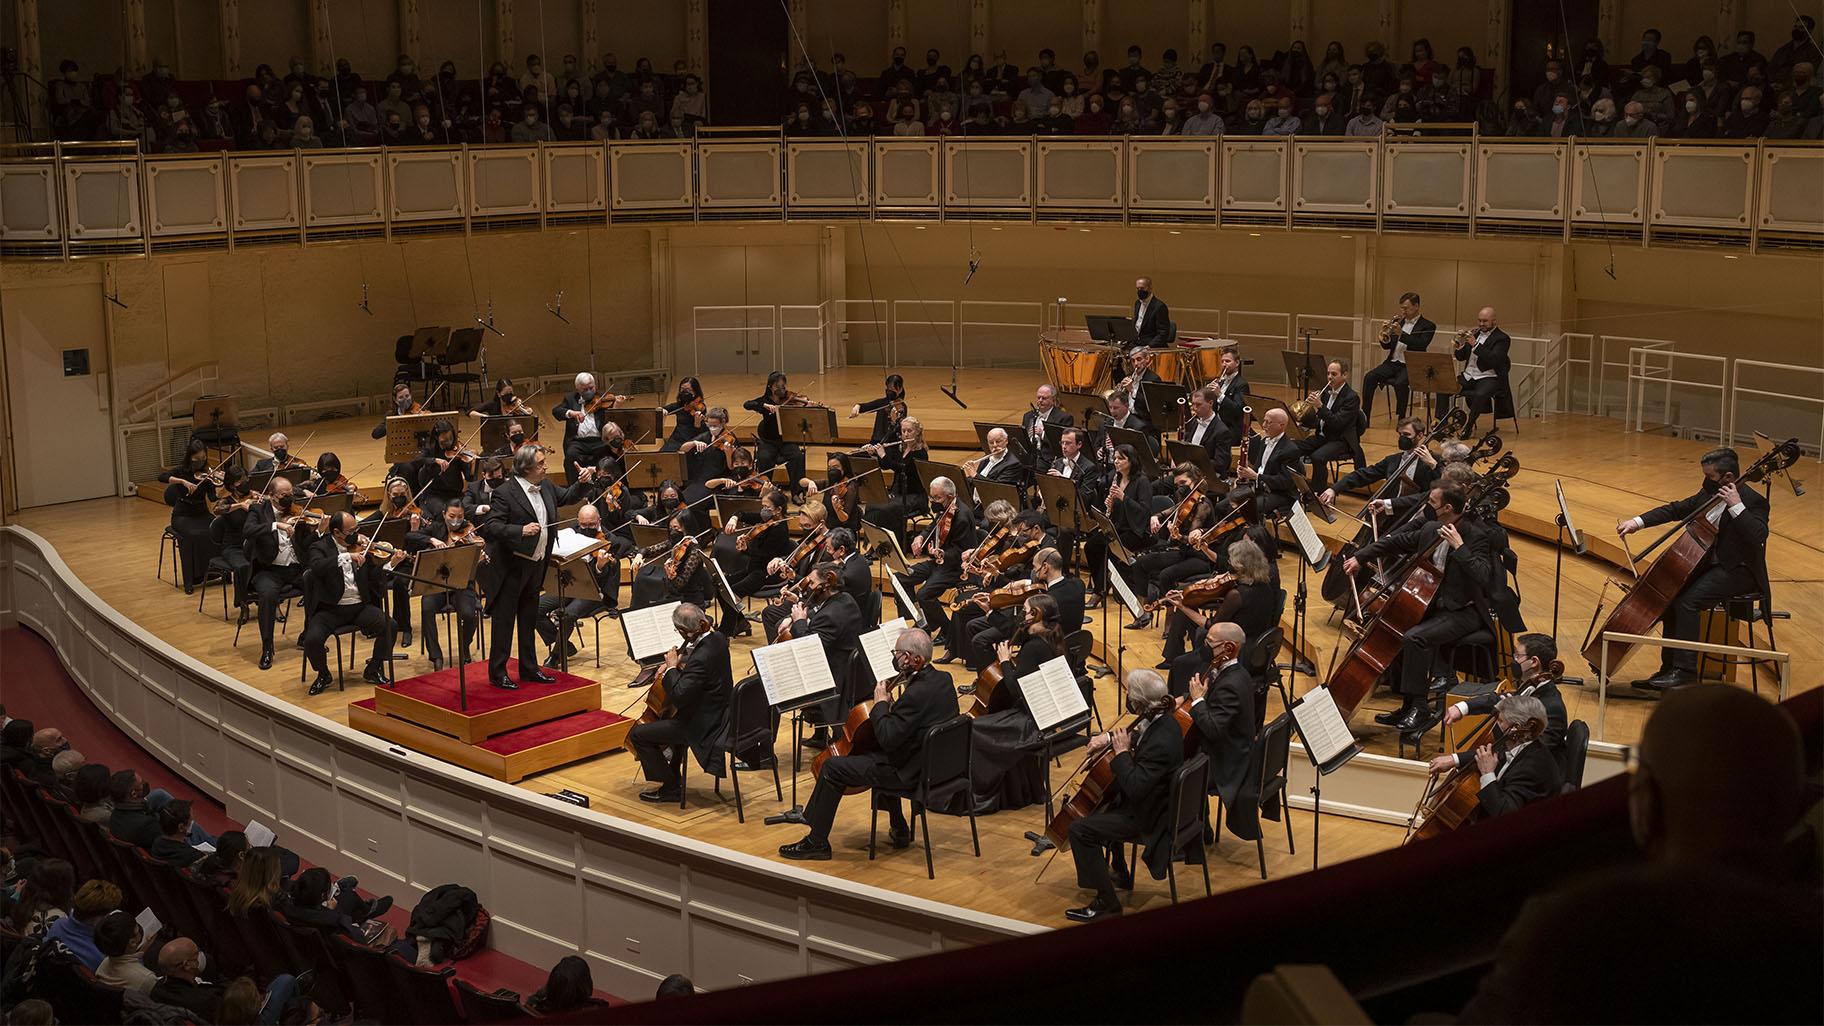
364,307
114,297
558,310
489,323
975,264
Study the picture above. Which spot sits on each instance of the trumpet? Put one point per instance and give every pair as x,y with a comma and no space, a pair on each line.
1466,337
1390,329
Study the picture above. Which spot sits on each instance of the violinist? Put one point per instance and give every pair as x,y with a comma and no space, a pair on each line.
763,542
190,492
706,454
1518,768
281,459
1145,756
229,530
773,448
687,414
397,504
402,405
928,698
987,627
838,494
506,403
616,501
329,479
824,609
612,465
1483,379
666,502
1252,604
1456,612
952,532
1045,410
1736,563
981,572
1226,719
857,578
1414,462
1339,424
1174,557
1036,642
448,528
887,410
699,684
903,494
998,463
674,570
582,425
444,468
345,588
1004,734
518,529
490,473
276,543
556,622
1532,671
794,566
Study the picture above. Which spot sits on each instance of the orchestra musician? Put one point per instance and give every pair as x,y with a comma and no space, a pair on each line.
1483,381
1005,734
281,459
1532,673
998,463
1231,395
1736,563
1028,536
345,587
448,528
773,449
986,631
686,413
658,578
397,504
276,544
1271,458
518,528
1456,612
1517,769
707,454
403,405
229,530
839,547
1145,757
1140,372
1127,501
1410,331
505,404
887,410
836,492
1121,415
1340,424
190,492
903,492
1174,555
772,540
490,474
1225,717
329,479
1045,410
952,532
824,609
1253,605
1450,455
926,700
1152,318
793,565
1205,428
999,535
582,426
1417,472
699,684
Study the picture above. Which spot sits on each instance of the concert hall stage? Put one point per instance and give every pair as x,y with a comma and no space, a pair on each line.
508,735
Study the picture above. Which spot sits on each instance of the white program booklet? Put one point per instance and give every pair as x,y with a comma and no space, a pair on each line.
259,835
649,631
1322,726
1053,695
794,671
878,644
148,921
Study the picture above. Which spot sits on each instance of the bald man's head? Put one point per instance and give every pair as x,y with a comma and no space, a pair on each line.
1485,318
179,958
1721,777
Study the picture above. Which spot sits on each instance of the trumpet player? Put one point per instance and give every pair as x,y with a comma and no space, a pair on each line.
1340,424
1483,381
1408,331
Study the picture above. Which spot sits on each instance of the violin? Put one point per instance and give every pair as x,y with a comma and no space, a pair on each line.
1098,784
604,401
1199,594
684,559
228,504
747,537
858,733
806,545
1006,595
940,531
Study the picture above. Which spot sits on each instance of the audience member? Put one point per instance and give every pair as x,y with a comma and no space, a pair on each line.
181,983
676,985
122,945
1748,120
173,842
568,986
76,931
89,790
44,898
38,766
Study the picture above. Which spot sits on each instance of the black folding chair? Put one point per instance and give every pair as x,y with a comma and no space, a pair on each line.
948,769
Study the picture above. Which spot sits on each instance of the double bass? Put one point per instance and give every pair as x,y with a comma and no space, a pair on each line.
1098,785
1691,538
1450,799
1335,586
858,733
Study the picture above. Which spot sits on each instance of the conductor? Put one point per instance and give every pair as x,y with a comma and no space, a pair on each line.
518,530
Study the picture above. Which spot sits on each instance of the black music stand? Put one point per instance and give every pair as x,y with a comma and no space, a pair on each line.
730,506
1142,447
1185,452
654,469
409,353
215,421
446,571
1082,406
1320,729
886,544
494,430
807,426
1434,374
645,536
463,347
571,583
640,426
930,470
986,492
333,502
1163,407
869,478
1059,498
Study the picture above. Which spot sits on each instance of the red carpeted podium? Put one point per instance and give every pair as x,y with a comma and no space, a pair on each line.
507,735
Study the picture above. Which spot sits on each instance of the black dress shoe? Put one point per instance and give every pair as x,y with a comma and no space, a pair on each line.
265,658
741,630
1145,621
1391,717
535,676
244,618
899,837
1667,679
405,638
807,850
965,689
436,663
323,683
1439,687
1091,913
189,589
660,796
503,682
947,658
1163,664
375,673
1413,719
821,739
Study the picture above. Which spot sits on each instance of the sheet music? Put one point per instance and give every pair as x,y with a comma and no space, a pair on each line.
649,630
569,542
1052,694
1128,598
878,644
906,605
1564,510
1308,541
1322,726
728,590
793,671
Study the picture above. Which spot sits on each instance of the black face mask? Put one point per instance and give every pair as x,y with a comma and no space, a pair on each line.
1407,444
902,661
1142,293
1515,671
506,401
283,501
1136,708
280,455
836,474
1710,486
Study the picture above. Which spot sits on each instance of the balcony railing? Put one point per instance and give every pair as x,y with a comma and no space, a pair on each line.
59,201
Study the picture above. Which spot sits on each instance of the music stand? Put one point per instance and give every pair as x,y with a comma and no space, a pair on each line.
1100,328
332,503
215,420
1162,406
1325,737
886,543
928,471
654,469
640,426
1186,452
1565,526
442,572
807,425
572,583
406,433
645,536
986,492
1142,446
873,486
727,506
1060,501
392,532
494,430
1081,405
1434,374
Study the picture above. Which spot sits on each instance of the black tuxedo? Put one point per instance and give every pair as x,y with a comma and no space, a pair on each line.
1385,467
1215,438
1486,394
1225,729
928,579
324,586
900,725
513,603
269,581
1460,606
1156,326
1008,471
1339,428
1735,565
1556,719
1138,403
1392,371
1140,810
1042,445
1274,488
579,451
858,584
698,691
1228,408
1530,774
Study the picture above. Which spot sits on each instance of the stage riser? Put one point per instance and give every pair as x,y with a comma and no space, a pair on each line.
509,768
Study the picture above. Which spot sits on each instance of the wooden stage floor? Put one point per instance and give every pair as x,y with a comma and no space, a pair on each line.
1607,473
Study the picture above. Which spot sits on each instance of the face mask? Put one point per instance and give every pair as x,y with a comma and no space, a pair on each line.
1648,46
944,116
1322,111
1135,707
902,662
1204,106
284,501
1142,293
1515,671
1631,120
1407,444
280,455
1551,76
1710,486
1747,106
455,526
1691,107
1557,108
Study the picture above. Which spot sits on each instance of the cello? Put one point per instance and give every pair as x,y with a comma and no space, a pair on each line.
1450,799
1648,599
1098,785
858,732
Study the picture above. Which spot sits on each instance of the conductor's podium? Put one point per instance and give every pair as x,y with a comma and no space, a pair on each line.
507,735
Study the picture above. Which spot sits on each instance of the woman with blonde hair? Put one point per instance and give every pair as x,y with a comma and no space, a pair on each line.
256,885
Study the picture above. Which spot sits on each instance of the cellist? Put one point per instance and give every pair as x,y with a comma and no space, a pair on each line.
1524,771
899,727
1736,563
1534,671
1146,756
698,685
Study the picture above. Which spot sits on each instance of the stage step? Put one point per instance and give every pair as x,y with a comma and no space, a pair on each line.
508,757
434,701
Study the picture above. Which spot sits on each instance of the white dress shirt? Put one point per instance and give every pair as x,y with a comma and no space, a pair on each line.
1473,369
288,553
1399,344
587,427
1140,317
1266,453
1202,426
1501,770
351,594
535,496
